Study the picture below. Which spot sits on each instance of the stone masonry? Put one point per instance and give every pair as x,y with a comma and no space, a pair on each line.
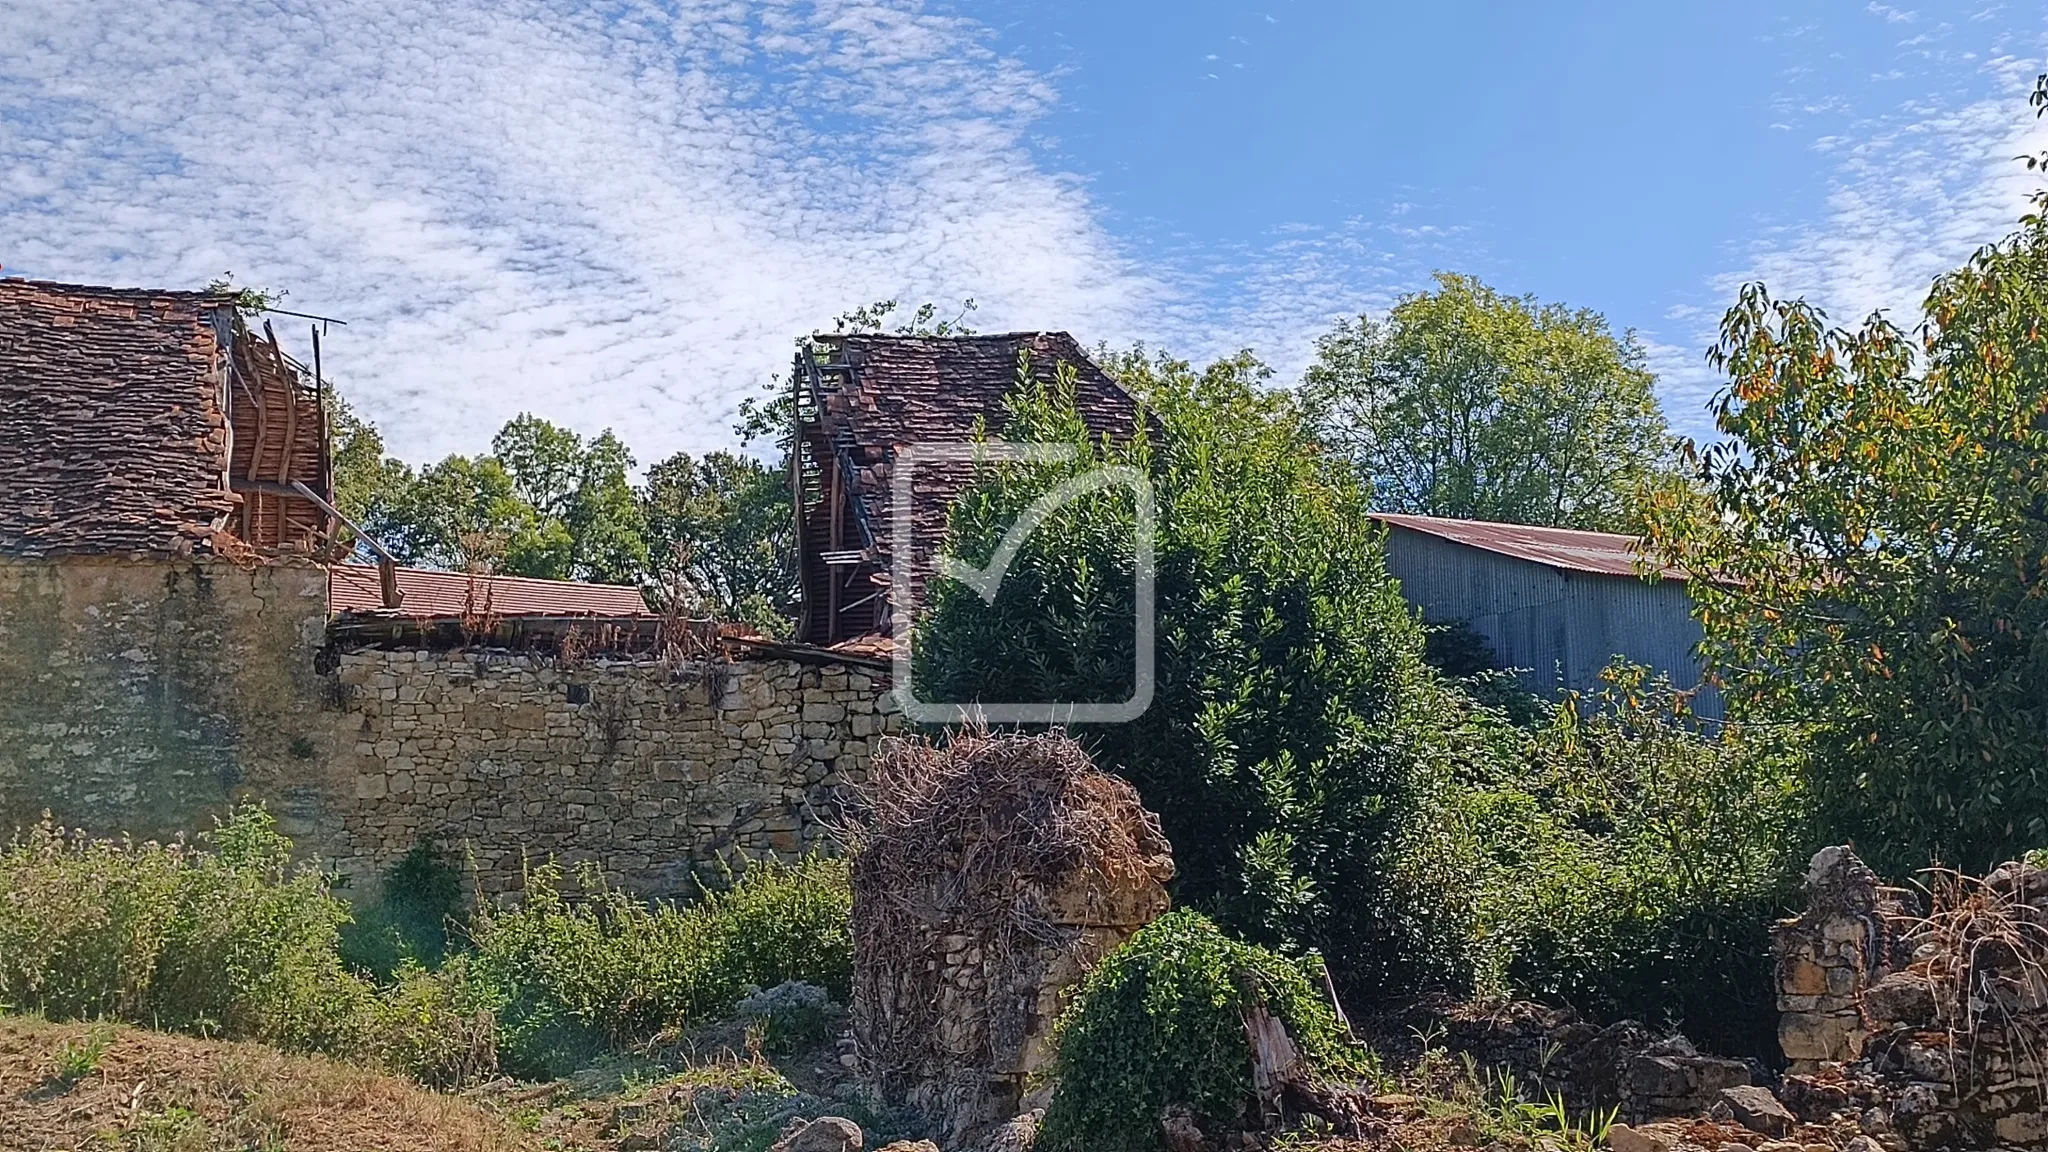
653,771
145,695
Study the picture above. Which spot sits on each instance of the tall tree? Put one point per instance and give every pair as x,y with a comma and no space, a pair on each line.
1467,403
720,528
1878,531
1287,745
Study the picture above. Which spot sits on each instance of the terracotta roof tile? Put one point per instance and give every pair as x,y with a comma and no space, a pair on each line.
430,592
112,434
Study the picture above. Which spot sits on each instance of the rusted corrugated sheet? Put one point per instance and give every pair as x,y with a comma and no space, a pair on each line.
1560,625
427,592
1603,552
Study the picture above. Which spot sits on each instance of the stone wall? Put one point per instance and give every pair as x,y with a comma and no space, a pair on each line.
655,771
1927,1031
994,873
140,695
144,696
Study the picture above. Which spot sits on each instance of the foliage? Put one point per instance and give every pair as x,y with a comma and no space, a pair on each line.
1875,544
1159,1023
1467,403
221,939
1633,866
573,978
719,528
1294,728
419,901
79,1058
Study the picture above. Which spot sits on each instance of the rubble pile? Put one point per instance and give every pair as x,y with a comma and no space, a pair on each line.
1924,1032
994,872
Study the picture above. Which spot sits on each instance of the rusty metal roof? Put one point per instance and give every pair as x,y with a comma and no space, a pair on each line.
1604,553
431,592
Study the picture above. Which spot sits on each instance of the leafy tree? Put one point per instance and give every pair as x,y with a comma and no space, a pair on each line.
722,525
1877,539
1467,403
368,484
1293,730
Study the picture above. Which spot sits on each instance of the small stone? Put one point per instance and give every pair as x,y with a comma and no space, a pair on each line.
1759,1111
825,1134
1016,1135
1625,1138
909,1146
1862,1144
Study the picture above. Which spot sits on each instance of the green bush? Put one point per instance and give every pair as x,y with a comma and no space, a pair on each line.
1633,864
1295,733
222,939
1159,1023
418,903
572,978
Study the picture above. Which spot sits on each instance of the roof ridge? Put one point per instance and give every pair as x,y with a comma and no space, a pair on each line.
110,290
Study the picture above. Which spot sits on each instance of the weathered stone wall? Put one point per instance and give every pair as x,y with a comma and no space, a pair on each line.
140,695
653,770
143,696
1929,1031
995,872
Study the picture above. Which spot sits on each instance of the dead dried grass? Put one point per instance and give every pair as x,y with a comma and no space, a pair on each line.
963,839
1984,950
161,1090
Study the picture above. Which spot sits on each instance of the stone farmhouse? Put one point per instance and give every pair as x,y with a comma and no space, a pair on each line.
177,629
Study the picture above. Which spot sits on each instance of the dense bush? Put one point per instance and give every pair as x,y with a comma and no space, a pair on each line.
221,938
1632,865
574,977
1160,1024
418,904
225,939
1294,728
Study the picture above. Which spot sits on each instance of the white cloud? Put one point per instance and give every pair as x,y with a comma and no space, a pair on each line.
616,216
1913,192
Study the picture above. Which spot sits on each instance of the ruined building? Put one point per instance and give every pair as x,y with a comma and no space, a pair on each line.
176,631
860,401
173,636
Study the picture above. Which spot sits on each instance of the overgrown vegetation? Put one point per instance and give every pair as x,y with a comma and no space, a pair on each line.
573,978
1159,1025
223,938
1322,784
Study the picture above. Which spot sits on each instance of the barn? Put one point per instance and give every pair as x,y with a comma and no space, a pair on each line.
1554,604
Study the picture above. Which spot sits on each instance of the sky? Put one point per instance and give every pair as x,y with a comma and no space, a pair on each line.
621,214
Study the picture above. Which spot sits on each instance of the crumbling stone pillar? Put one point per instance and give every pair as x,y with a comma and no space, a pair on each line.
1842,944
995,871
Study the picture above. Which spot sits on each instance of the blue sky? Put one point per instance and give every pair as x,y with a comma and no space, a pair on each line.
619,214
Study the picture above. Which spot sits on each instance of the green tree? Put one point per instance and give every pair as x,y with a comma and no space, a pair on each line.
721,525
368,484
1294,728
1467,403
1877,538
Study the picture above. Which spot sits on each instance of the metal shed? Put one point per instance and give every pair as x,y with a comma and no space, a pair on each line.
1555,604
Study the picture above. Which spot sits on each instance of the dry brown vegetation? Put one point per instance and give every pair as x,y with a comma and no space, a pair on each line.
78,1086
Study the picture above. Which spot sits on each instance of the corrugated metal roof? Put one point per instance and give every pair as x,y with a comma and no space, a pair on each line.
1605,553
429,592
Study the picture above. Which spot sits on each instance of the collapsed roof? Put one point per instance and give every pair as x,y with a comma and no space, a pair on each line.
146,422
861,400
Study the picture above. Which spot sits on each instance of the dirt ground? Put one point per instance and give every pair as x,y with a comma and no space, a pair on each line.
103,1087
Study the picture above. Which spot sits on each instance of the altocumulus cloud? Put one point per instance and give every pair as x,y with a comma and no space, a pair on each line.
614,214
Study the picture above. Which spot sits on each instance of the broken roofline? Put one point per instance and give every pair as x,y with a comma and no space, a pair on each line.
192,424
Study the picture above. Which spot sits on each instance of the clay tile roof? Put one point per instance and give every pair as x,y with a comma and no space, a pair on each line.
429,592
1604,553
913,389
925,390
112,434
